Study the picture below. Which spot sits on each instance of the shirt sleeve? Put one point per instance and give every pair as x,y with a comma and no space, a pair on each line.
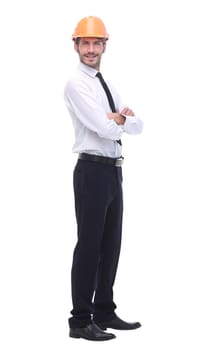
82,104
133,125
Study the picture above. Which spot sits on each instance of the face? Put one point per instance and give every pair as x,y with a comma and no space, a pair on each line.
90,51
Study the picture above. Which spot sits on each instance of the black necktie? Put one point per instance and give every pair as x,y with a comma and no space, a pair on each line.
109,95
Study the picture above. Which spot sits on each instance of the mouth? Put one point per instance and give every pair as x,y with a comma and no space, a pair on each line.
90,56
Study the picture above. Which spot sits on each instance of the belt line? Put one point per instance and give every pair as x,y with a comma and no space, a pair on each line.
101,159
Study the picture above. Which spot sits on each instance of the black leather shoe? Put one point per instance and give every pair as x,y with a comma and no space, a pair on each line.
90,332
117,323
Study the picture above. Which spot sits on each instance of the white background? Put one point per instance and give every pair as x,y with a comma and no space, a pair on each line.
153,57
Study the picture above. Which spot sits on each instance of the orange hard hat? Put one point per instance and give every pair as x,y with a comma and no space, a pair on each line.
90,27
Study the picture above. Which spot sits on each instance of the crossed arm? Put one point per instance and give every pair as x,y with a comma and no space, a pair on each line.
120,118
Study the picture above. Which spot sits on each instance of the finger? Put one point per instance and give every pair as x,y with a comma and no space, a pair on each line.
127,111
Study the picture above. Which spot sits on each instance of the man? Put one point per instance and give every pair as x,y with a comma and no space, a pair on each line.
99,118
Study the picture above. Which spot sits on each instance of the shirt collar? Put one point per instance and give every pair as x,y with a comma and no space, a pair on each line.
88,70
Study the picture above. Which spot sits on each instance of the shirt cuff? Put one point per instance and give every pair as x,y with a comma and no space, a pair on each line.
133,125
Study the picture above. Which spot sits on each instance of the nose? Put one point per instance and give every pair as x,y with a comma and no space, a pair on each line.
91,47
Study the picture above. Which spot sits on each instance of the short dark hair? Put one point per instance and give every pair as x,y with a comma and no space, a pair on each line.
77,40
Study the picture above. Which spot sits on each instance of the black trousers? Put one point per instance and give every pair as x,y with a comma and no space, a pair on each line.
99,209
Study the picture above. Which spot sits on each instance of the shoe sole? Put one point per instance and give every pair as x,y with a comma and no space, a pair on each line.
77,336
104,328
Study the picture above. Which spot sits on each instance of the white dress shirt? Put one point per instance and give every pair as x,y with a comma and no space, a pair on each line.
88,106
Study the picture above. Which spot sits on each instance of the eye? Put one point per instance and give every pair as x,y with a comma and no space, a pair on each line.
85,42
98,43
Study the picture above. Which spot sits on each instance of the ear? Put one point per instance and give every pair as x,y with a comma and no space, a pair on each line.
75,46
104,46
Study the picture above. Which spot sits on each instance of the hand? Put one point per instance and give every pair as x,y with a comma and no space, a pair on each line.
127,112
118,118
